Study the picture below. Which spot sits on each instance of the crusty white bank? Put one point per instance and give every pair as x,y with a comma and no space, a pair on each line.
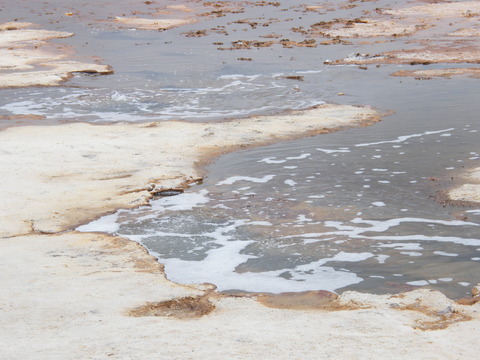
68,297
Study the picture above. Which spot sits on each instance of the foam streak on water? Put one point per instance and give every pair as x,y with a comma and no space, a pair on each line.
211,99
406,137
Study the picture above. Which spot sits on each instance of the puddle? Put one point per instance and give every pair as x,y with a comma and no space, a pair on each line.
330,212
348,210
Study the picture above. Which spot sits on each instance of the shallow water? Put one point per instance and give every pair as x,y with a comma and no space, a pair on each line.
347,210
328,212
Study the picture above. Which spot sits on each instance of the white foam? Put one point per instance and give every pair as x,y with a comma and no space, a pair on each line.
378,226
443,253
271,160
331,151
418,283
309,72
406,137
24,107
300,157
220,264
411,253
382,258
379,203
185,201
474,211
290,182
240,76
106,223
233,179
402,246
302,218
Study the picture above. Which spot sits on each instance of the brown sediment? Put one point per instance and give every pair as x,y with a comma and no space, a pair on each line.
305,300
315,8
336,41
22,117
473,299
430,310
439,322
220,8
468,301
188,307
14,25
287,43
439,312
196,33
248,44
465,33
293,77
271,36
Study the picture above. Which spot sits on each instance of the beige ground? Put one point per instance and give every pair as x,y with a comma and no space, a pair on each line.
446,33
69,295
448,72
449,9
29,59
424,56
374,28
470,190
152,24
72,302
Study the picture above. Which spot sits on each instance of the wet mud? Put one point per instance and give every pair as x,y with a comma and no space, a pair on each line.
182,308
